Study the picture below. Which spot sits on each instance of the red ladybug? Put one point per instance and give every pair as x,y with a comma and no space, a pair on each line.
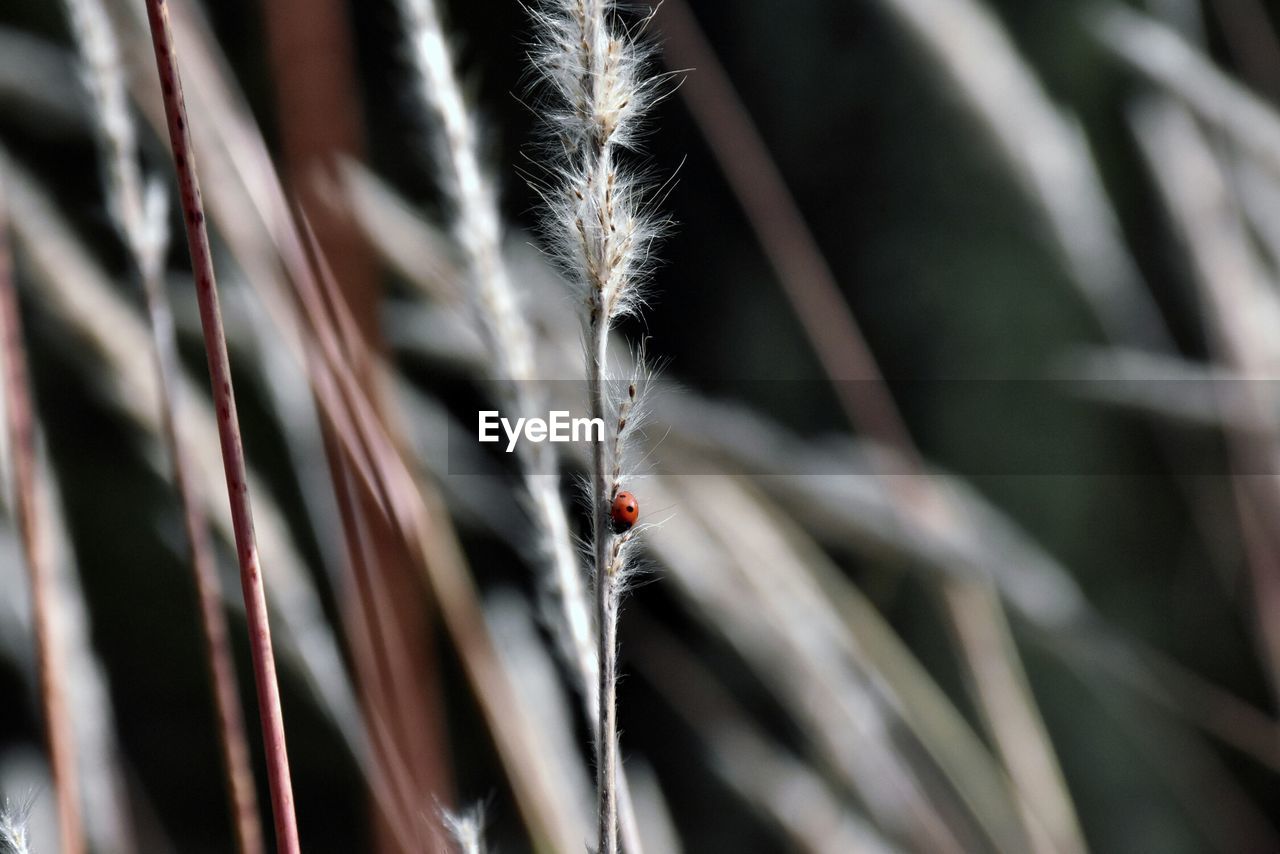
624,512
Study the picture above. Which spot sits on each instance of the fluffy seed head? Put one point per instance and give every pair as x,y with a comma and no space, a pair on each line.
13,828
599,223
596,72
466,828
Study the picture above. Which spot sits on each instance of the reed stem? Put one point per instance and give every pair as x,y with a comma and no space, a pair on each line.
35,537
255,601
606,607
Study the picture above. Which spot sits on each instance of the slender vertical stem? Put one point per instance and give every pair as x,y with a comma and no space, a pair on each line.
213,620
264,669
606,606
39,559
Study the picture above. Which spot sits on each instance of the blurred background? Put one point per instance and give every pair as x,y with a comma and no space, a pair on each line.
1023,594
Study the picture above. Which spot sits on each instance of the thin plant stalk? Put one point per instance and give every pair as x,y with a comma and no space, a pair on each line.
606,607
477,226
372,647
234,745
376,560
601,230
255,600
140,214
39,558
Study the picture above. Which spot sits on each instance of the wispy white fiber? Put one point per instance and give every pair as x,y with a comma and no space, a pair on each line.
466,828
13,828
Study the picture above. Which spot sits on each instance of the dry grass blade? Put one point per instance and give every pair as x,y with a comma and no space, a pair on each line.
1243,315
1047,152
538,688
20,417
1167,59
814,817
390,772
417,511
228,433
745,586
1141,381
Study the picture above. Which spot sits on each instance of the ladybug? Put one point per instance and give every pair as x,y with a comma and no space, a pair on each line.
624,512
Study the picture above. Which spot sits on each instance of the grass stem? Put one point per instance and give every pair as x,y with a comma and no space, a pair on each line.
255,600
36,548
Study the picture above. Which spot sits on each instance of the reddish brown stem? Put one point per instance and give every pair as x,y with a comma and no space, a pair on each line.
255,600
222,673
39,560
